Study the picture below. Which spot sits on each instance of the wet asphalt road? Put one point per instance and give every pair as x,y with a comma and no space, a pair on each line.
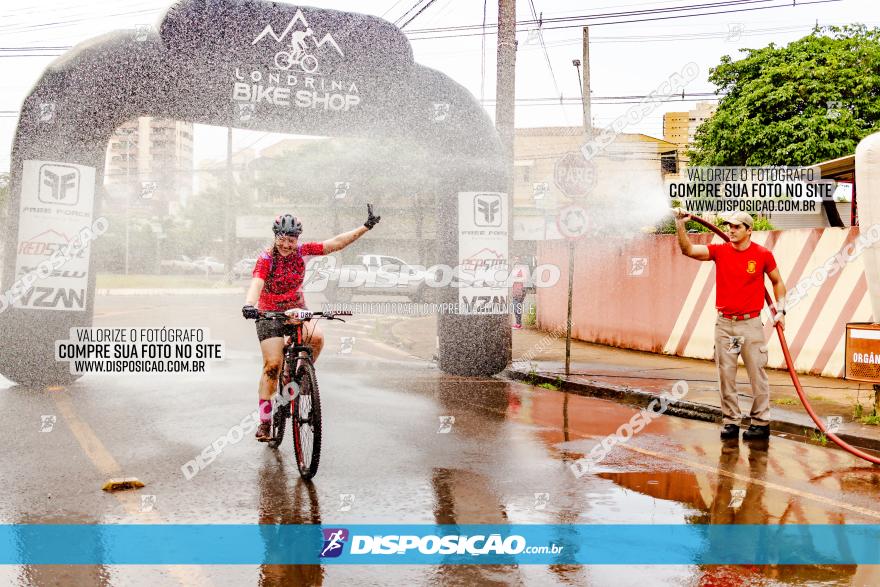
385,460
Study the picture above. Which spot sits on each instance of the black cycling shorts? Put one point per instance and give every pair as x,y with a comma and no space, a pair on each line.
272,329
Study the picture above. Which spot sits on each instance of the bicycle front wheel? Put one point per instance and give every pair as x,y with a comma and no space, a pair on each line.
306,420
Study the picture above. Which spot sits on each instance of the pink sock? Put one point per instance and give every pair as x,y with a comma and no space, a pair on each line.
265,410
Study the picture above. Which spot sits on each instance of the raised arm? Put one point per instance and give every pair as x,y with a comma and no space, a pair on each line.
698,252
340,241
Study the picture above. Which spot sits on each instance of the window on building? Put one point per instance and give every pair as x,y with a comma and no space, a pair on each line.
668,162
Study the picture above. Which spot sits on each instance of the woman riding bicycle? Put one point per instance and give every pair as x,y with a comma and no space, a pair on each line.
276,286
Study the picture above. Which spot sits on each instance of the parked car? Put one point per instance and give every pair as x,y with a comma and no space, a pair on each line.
376,275
243,269
209,266
179,264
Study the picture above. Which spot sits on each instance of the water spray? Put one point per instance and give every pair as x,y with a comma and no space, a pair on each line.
790,363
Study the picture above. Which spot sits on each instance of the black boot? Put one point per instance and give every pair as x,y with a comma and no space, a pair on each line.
757,432
730,431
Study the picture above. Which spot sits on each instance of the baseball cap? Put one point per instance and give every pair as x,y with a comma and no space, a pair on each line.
739,218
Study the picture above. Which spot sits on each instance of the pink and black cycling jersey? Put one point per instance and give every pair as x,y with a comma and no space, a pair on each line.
284,290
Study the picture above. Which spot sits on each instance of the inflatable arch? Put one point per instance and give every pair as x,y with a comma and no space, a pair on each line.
291,69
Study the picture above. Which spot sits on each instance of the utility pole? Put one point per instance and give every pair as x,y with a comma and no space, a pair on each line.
585,96
128,191
505,96
505,88
227,233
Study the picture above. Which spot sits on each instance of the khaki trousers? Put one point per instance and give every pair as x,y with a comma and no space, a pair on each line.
733,337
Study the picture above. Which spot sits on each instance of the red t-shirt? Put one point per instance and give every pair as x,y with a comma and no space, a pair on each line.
283,291
739,277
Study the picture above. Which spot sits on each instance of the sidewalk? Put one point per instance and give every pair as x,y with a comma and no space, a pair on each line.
637,377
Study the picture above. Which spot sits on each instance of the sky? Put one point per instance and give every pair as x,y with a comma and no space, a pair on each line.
625,59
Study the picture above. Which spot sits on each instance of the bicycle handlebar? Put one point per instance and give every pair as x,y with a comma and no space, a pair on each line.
303,315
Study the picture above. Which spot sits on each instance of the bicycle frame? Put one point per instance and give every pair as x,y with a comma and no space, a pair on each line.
295,345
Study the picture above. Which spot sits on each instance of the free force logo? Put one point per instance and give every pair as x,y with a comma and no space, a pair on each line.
302,42
487,210
59,184
334,542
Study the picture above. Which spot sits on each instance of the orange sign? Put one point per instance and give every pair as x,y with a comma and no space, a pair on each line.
862,354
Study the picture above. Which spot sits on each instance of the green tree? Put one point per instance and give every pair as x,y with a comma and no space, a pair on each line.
809,101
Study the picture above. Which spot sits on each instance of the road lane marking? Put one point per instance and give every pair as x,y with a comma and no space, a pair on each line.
104,462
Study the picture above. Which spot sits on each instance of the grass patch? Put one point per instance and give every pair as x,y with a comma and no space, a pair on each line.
532,378
817,437
817,398
872,419
785,401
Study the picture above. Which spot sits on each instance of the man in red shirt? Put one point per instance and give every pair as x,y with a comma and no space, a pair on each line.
740,266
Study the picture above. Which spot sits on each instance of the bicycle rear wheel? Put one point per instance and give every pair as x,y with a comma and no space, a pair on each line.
306,422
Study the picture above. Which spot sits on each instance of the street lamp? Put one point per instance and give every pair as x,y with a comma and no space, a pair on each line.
577,65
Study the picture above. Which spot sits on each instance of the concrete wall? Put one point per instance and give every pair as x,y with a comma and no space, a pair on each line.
669,305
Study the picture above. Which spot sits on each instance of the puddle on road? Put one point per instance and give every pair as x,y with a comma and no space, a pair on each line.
674,471
512,442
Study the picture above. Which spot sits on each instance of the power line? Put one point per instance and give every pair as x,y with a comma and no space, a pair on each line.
483,56
425,7
698,95
595,24
401,18
544,47
557,43
618,14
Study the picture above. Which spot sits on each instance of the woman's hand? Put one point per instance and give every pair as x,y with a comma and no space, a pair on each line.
372,220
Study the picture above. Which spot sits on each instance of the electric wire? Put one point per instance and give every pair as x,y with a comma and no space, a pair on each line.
613,22
547,55
483,55
618,14
403,16
416,15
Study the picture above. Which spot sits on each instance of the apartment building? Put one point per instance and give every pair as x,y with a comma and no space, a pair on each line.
150,160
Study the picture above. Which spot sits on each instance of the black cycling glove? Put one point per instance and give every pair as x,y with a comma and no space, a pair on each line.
250,312
371,219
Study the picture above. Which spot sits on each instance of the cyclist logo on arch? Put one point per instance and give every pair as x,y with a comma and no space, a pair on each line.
298,54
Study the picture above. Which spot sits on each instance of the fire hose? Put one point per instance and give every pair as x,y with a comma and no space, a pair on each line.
790,363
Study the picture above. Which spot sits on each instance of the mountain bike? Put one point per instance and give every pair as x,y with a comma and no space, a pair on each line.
287,59
298,398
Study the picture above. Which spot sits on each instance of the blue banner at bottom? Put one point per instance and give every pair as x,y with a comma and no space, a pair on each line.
440,544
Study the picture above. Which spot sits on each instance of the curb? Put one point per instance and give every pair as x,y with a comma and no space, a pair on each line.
681,408
208,291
